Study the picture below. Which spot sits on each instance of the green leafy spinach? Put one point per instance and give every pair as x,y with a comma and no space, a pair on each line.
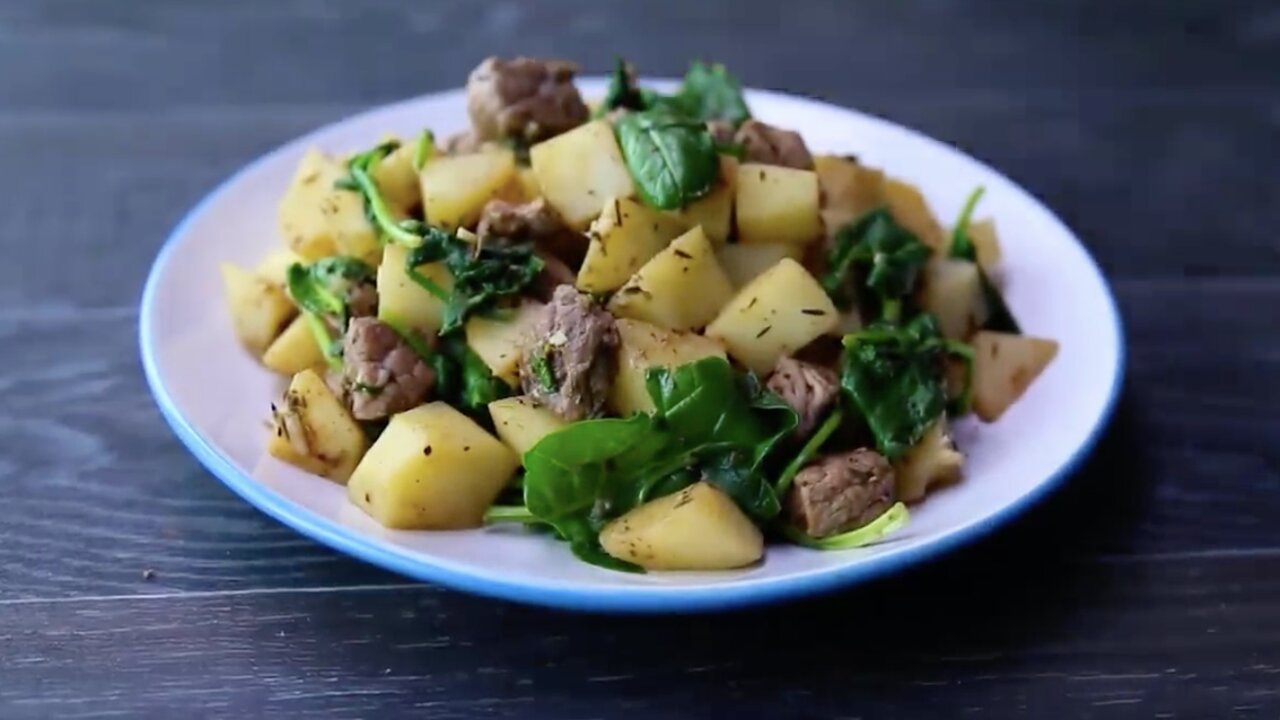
672,158
320,291
709,92
881,255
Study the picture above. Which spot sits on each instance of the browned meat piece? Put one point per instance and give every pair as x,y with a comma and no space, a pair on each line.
525,222
382,375
461,144
721,131
524,98
570,363
554,274
766,144
841,492
362,299
809,389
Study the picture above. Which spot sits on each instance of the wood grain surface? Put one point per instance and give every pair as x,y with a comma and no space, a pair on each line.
132,584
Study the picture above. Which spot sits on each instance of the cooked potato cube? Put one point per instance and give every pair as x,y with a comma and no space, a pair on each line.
849,189
318,220
777,205
396,177
779,312
523,187
580,170
455,188
680,288
742,263
433,468
908,207
624,238
932,461
312,429
259,308
698,528
1004,366
521,422
295,350
274,266
986,243
642,346
714,211
403,303
500,342
951,289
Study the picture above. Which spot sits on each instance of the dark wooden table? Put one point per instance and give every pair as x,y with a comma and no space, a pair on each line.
1148,588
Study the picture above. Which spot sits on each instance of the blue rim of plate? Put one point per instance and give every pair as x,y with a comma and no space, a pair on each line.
705,598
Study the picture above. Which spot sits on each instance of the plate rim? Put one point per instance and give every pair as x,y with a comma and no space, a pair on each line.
663,599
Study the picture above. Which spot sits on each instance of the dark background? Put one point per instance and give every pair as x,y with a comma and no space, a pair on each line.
1149,587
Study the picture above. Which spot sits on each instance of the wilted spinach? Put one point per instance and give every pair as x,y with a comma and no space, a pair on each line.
709,423
320,291
622,91
709,92
672,158
999,317
874,251
893,375
482,274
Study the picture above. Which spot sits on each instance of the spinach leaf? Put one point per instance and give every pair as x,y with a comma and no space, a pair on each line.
810,449
893,376
482,274
999,317
671,157
709,423
886,256
622,91
320,291
423,149
709,92
479,385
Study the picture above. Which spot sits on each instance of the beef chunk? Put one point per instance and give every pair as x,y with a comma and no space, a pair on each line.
525,222
462,143
381,374
362,299
841,492
809,389
769,145
569,365
524,98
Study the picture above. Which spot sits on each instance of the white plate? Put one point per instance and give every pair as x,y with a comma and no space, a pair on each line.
215,396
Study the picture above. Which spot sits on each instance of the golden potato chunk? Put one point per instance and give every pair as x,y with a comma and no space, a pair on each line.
294,350
642,346
777,205
259,308
433,468
521,422
318,220
312,429
455,188
1005,365
625,237
742,263
932,461
579,171
680,288
698,528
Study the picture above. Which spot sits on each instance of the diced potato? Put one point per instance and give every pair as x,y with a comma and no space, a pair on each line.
404,303
931,462
742,263
779,312
295,350
500,342
580,170
259,308
698,528
951,289
523,187
680,288
714,211
625,236
318,220
777,205
986,243
313,430
521,422
849,189
274,266
396,177
908,207
1004,366
455,188
642,346
433,468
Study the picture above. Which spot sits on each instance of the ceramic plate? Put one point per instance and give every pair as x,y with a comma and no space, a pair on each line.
215,396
